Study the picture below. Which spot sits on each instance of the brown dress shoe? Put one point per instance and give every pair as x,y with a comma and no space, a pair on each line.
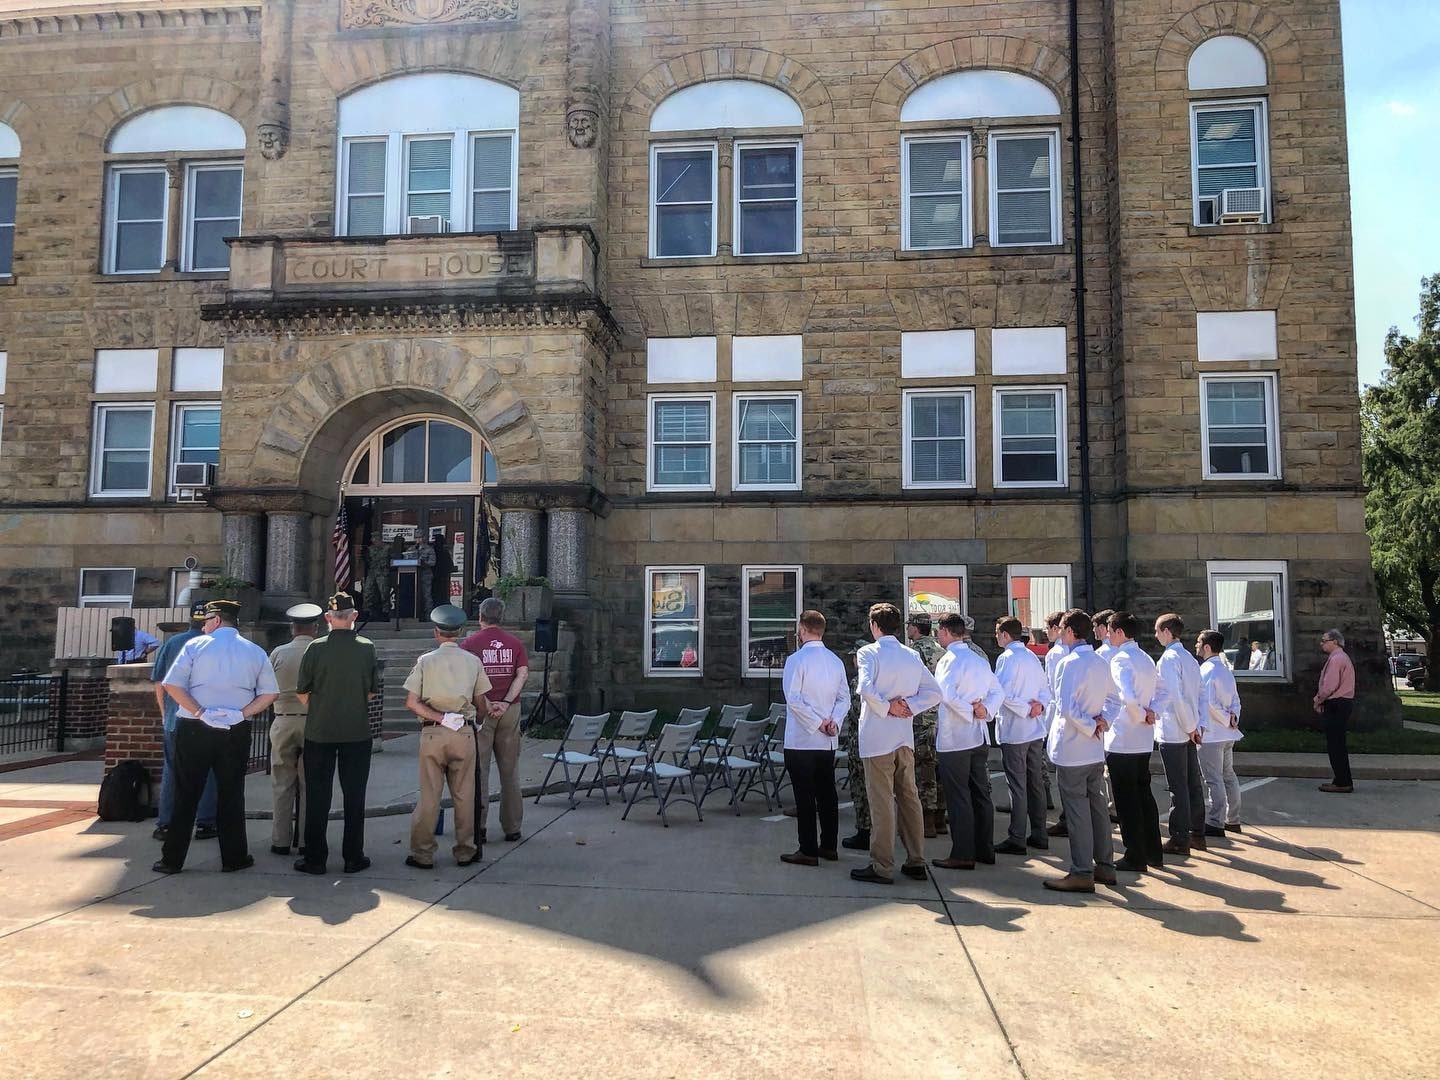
1105,875
799,858
953,864
1338,789
914,870
1071,883
1197,842
868,873
1176,847
930,832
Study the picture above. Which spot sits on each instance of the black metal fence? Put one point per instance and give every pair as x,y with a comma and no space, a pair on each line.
32,708
260,742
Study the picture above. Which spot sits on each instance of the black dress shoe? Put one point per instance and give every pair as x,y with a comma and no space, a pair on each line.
860,841
1039,843
162,867
1010,847
411,860
917,871
206,832
988,859
1158,864
1197,841
305,866
867,873
355,866
276,849
463,862
160,833
1234,826
511,837
1211,830
829,854
1130,866
1058,829
243,864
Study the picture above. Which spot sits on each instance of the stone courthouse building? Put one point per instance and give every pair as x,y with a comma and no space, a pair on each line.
717,309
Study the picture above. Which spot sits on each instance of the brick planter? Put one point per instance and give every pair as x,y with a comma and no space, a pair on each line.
78,713
133,728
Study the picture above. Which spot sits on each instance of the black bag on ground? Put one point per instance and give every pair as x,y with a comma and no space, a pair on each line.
125,793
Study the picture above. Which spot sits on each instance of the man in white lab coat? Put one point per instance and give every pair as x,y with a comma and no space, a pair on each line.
894,686
1179,738
1052,675
817,697
1131,710
1020,731
1220,731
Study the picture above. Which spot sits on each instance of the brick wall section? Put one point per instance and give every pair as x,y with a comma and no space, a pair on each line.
376,710
133,728
86,700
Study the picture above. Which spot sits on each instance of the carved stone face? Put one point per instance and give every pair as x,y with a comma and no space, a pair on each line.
274,139
583,128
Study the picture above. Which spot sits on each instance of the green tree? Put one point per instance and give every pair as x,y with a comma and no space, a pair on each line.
1400,441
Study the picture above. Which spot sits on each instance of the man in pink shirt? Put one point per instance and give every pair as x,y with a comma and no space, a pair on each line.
1333,701
506,664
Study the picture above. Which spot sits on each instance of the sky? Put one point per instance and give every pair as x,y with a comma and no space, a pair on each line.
1392,84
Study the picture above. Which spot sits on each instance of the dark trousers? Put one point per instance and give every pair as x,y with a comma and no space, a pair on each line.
200,750
322,760
812,775
1187,790
1025,776
1135,806
1334,718
965,776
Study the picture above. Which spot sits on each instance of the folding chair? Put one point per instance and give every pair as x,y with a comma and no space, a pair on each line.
719,740
632,726
741,754
773,773
690,716
675,741
583,731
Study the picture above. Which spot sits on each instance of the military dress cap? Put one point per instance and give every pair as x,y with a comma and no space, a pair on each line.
341,601
304,613
228,608
447,617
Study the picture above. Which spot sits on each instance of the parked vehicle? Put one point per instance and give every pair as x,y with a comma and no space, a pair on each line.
1401,663
1416,678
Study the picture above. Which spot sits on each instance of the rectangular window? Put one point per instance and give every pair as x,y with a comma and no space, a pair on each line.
771,603
212,212
1024,188
767,442
180,581
136,212
674,620
1239,429
364,187
120,460
934,590
1249,604
492,180
1229,162
107,587
767,199
934,177
9,181
682,443
938,437
1035,590
682,201
427,182
1030,437
195,435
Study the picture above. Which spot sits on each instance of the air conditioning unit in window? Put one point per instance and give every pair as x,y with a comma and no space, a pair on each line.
427,223
1242,205
191,478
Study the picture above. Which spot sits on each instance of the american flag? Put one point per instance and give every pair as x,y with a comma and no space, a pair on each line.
340,541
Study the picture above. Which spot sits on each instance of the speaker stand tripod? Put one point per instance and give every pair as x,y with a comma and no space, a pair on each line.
542,703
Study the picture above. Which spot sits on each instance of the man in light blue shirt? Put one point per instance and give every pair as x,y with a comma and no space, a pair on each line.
164,658
220,682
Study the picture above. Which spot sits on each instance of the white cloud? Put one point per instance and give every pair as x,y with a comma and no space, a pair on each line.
1401,108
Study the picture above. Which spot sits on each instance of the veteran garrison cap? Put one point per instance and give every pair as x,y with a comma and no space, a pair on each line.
341,601
229,608
198,614
304,613
447,617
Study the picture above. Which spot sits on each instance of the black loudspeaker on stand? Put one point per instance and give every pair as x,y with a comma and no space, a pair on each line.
547,635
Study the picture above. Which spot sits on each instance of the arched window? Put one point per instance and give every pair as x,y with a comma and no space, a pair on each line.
433,152
203,149
9,180
1017,118
1229,136
686,179
427,455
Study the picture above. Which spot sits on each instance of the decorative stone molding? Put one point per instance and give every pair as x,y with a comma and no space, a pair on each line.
549,497
706,65
348,64
1254,22
234,101
370,14
273,131
16,114
588,74
168,18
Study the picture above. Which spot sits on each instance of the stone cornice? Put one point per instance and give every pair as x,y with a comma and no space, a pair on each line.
108,18
549,497
241,500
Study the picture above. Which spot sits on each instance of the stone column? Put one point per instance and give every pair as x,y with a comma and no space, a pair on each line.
274,127
519,543
980,185
568,549
287,556
243,541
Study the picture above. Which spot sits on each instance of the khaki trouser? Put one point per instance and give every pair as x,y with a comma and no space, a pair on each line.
445,757
890,781
287,778
501,736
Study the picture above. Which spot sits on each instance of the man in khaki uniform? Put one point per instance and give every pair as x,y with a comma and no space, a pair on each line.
287,732
444,690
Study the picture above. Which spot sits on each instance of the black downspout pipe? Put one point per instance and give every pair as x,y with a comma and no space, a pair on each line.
1087,529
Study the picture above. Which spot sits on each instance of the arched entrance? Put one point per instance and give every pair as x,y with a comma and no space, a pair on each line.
419,529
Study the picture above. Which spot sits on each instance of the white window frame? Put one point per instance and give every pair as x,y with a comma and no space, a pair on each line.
746,670
177,429
1062,443
342,216
768,144
650,402
674,673
776,395
406,141
1034,570
113,172
97,442
1057,237
187,246
11,172
1272,424
656,150
955,570
1222,569
907,396
1262,149
967,195
471,190
105,599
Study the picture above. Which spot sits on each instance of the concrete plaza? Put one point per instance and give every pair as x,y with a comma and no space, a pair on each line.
595,947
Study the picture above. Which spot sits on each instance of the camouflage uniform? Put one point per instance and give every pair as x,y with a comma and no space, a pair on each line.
925,779
857,767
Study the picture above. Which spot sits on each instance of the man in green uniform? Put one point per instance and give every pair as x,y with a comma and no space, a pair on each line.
446,690
860,801
917,631
338,677
377,577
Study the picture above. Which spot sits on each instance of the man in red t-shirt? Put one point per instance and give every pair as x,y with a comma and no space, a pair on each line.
507,664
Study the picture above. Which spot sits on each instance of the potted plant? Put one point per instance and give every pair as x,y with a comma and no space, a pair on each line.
526,598
225,587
